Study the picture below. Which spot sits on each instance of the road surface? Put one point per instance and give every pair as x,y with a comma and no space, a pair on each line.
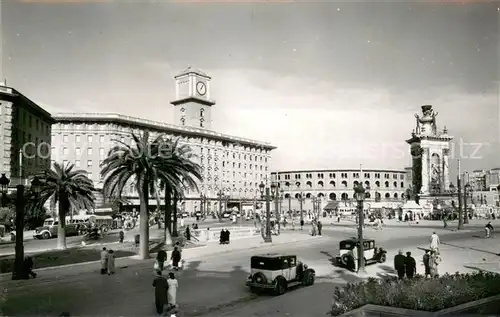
209,285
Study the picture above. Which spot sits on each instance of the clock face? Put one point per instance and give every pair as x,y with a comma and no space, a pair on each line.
201,89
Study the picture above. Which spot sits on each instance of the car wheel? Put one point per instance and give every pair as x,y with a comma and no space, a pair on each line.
308,279
104,228
259,278
46,235
382,258
280,287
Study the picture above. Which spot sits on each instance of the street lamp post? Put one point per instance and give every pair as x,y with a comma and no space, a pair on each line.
290,204
360,195
466,212
265,193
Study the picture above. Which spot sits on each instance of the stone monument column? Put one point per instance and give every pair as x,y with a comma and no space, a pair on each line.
425,172
446,171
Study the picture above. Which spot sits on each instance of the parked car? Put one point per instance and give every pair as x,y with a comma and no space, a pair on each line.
348,252
277,273
49,229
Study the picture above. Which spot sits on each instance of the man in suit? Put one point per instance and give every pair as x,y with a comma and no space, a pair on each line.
399,264
161,287
410,265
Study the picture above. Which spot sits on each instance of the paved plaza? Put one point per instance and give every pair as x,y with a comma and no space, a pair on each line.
212,282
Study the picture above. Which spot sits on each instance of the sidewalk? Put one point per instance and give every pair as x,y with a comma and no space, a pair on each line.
190,254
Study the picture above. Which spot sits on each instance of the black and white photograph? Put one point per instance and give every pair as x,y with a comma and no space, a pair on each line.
227,158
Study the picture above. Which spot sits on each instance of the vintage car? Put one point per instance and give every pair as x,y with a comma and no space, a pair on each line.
348,252
49,228
278,272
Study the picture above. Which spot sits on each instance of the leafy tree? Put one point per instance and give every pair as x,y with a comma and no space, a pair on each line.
69,189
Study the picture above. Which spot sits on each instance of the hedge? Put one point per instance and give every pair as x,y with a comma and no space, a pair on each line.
419,293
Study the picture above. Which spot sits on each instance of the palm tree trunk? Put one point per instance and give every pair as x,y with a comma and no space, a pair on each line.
143,191
61,227
168,217
174,225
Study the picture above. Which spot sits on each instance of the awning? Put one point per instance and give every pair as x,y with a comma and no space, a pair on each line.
332,205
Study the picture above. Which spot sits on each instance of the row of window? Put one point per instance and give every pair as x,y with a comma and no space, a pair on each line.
256,167
344,196
78,138
78,151
342,175
321,184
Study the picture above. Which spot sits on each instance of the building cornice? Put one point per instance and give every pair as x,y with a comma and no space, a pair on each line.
12,95
155,125
193,99
340,171
419,138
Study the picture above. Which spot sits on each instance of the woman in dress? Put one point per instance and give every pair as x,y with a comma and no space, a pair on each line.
172,290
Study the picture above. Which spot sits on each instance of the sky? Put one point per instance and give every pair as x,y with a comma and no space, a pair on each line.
331,84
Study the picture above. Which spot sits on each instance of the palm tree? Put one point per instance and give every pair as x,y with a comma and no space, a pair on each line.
70,189
177,171
126,162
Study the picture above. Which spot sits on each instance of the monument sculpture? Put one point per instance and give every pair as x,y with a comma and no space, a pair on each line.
430,151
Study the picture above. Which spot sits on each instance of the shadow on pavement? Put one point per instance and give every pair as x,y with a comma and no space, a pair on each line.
470,248
129,293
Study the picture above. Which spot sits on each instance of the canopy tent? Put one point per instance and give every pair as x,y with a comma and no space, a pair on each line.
332,205
411,205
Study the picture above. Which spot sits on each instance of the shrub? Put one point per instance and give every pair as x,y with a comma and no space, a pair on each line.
419,293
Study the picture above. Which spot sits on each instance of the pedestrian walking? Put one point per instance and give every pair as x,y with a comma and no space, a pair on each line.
161,292
175,258
426,261
104,261
410,265
111,262
173,285
320,226
399,264
434,245
121,236
161,257
28,267
188,233
301,224
417,219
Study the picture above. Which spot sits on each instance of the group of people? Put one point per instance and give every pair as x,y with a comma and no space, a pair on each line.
316,227
107,261
224,236
166,288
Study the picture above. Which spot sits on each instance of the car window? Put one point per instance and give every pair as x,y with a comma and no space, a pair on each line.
292,262
56,223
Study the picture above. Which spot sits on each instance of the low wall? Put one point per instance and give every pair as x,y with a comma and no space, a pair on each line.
206,235
489,306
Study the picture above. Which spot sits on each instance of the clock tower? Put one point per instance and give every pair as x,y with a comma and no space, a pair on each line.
192,104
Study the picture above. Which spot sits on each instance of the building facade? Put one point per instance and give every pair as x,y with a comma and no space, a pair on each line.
233,167
338,185
25,131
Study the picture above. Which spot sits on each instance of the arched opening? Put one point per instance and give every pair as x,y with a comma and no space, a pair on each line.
297,184
395,184
386,184
344,183
367,184
377,196
402,196
332,196
321,184
309,184
377,184
287,184
332,183
308,195
297,196
402,184
355,184
344,196
396,195
287,196
367,195
321,195
132,187
387,195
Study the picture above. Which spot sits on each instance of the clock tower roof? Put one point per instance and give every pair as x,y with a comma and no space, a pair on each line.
192,70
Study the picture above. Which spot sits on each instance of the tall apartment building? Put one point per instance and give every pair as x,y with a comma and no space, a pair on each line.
25,132
233,165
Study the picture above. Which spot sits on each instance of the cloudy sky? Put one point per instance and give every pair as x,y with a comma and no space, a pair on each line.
333,85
